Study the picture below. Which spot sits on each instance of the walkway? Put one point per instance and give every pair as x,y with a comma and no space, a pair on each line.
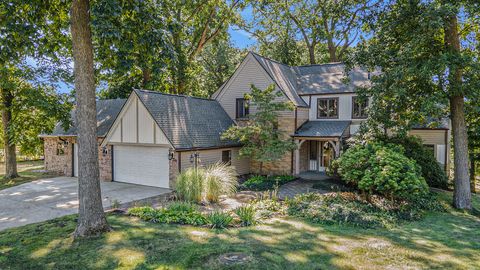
46,199
302,185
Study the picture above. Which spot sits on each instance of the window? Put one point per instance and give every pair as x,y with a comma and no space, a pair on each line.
227,157
242,108
359,107
327,108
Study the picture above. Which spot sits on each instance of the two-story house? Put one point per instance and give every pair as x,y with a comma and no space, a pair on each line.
327,110
151,136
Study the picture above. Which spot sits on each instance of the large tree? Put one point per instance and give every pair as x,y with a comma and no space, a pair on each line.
91,217
29,30
216,64
133,45
155,44
197,24
334,23
417,47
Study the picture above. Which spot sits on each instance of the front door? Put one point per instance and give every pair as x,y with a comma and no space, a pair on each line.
326,155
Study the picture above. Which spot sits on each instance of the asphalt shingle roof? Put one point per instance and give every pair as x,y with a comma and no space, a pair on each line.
188,122
284,76
313,79
322,129
107,111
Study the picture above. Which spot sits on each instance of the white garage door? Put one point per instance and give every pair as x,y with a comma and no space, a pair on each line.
141,165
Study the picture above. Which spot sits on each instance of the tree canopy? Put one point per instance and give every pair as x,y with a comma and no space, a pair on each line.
423,68
333,24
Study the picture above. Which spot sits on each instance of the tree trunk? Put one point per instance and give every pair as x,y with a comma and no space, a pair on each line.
9,146
461,195
332,51
472,174
91,217
147,77
311,54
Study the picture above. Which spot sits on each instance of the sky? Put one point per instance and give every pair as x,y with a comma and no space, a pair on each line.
240,38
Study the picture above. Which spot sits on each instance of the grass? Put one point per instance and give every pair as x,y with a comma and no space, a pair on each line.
28,171
449,240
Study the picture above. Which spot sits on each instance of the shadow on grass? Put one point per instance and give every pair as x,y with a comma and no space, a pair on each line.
442,240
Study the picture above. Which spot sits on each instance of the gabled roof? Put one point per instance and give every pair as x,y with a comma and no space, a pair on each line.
188,122
284,76
107,111
313,79
322,129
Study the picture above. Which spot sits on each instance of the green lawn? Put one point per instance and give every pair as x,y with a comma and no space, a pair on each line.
442,240
28,171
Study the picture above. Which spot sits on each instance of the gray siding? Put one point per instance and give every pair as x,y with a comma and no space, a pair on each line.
209,157
249,72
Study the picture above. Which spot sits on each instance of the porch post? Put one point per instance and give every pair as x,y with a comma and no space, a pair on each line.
297,157
337,149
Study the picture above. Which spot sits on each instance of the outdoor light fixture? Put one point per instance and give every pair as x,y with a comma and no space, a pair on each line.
64,142
104,150
170,154
195,159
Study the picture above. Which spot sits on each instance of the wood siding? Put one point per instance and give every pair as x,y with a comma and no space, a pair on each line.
135,125
209,157
249,72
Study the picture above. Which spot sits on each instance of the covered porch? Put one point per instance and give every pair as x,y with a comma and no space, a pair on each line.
318,144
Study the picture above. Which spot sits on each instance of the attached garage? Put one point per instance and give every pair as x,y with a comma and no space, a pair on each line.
141,165
155,134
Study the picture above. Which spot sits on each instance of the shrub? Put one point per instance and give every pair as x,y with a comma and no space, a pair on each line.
143,212
180,213
383,169
219,220
247,215
259,182
195,185
267,207
432,171
182,206
220,179
189,184
349,208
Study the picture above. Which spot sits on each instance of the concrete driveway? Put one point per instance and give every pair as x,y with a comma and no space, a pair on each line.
46,199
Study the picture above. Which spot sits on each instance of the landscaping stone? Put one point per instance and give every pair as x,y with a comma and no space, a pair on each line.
234,258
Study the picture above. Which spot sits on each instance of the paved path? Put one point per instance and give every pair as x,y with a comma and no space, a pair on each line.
298,187
46,199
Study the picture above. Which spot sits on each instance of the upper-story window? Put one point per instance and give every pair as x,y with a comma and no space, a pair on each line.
242,108
359,107
327,108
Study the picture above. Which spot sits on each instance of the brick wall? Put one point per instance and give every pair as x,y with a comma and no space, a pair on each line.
105,162
173,170
304,152
57,162
63,163
284,165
